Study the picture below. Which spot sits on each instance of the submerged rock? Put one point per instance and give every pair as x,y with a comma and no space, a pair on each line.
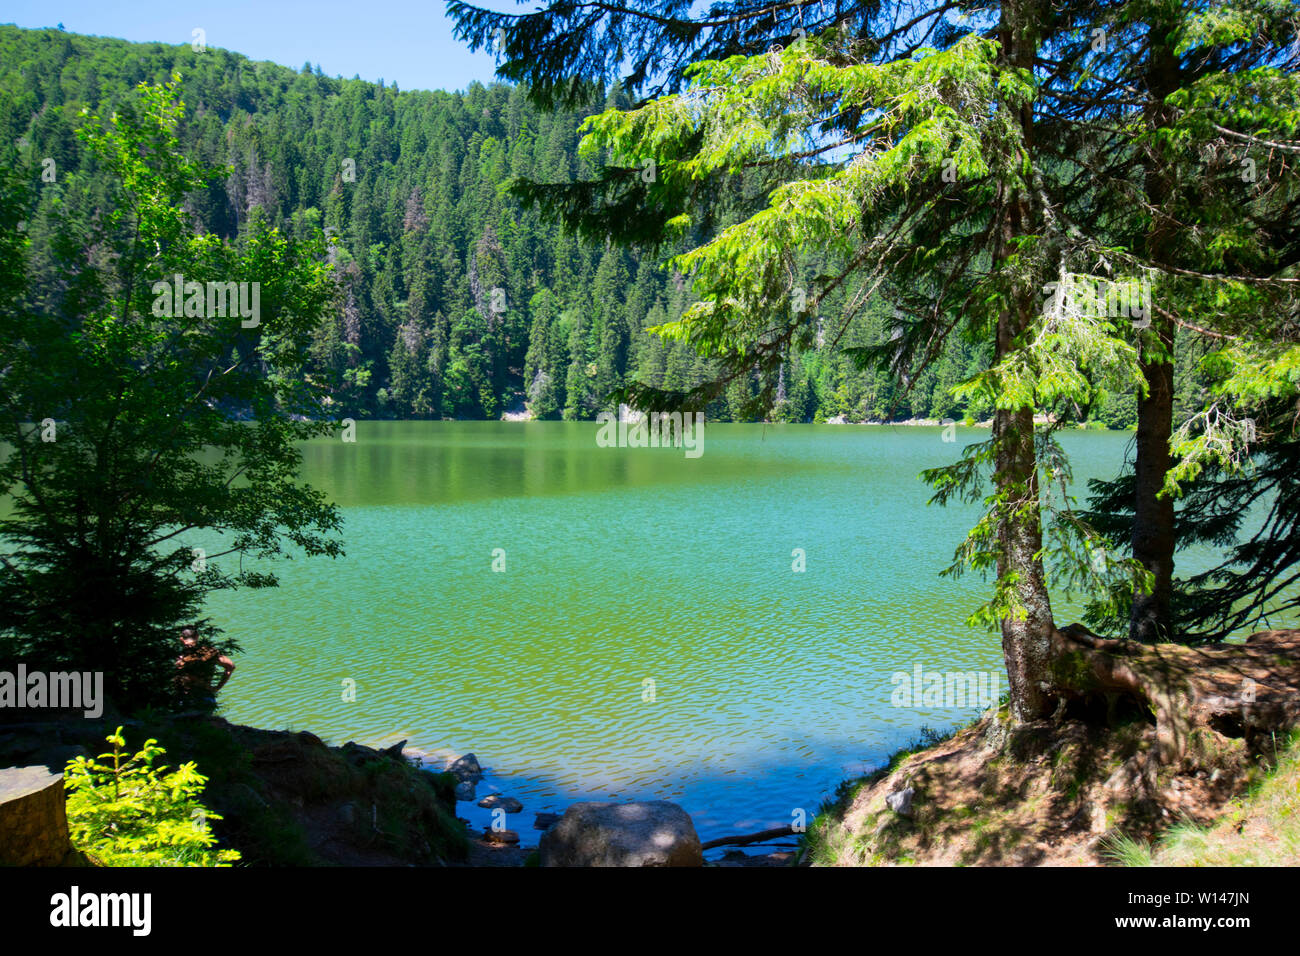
652,833
508,804
465,790
545,821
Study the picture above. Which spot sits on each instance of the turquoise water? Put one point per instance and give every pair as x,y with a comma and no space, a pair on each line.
622,567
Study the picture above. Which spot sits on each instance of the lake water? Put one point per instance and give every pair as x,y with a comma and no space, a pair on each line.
648,638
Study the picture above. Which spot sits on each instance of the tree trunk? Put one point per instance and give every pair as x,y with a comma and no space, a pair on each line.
1153,515
1026,639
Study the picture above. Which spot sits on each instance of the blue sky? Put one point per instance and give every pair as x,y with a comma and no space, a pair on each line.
400,41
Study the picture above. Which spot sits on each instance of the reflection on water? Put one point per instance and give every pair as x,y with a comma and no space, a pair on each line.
624,566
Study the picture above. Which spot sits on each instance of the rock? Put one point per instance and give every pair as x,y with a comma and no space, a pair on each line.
545,821
33,818
466,768
348,814
505,837
653,833
357,754
309,739
465,790
901,801
395,751
508,804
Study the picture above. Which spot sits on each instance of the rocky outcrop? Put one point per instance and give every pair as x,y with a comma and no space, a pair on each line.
33,820
653,833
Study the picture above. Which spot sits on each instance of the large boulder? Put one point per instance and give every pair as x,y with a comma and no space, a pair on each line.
33,821
654,833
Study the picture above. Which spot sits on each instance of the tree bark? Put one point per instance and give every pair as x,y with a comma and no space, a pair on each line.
1026,639
1153,516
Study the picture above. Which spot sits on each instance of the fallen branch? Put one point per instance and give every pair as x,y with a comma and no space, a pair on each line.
748,838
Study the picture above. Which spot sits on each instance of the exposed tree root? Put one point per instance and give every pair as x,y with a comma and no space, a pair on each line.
1145,736
1246,691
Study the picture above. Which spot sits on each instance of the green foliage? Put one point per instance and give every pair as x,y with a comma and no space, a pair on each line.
136,434
956,179
1250,513
422,236
129,812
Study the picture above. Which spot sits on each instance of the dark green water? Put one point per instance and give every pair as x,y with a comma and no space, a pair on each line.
622,566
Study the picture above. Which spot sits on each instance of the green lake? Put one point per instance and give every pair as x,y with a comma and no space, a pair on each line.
648,637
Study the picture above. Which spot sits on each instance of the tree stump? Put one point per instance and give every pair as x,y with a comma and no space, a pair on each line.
33,823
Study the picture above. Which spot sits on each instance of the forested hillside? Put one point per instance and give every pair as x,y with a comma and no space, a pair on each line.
454,300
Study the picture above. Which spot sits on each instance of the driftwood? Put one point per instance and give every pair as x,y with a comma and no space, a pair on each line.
748,838
1230,690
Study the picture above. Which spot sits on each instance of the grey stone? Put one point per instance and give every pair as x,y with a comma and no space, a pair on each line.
508,804
465,790
545,821
466,768
901,801
653,833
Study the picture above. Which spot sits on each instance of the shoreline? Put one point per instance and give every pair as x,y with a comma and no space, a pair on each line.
525,418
